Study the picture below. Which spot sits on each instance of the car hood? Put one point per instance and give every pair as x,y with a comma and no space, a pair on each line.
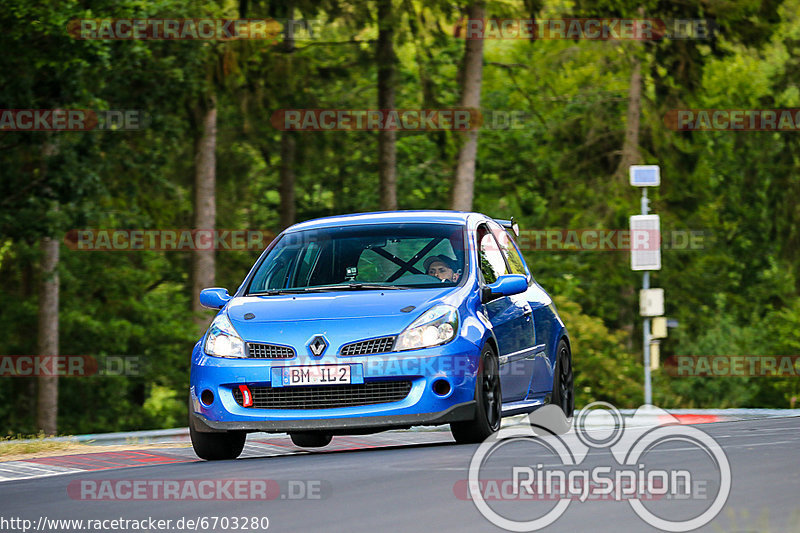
341,317
334,305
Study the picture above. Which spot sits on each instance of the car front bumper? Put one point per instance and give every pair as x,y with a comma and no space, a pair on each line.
465,411
455,362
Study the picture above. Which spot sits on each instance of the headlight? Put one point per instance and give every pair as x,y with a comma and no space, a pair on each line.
436,326
222,340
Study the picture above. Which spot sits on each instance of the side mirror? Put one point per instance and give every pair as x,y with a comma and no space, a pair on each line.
215,298
506,285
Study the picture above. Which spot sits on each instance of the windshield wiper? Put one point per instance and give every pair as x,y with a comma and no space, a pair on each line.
275,292
355,286
358,286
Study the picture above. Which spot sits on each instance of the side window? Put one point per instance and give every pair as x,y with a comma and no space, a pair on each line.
515,262
491,259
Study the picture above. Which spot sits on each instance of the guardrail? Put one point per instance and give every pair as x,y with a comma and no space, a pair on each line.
686,416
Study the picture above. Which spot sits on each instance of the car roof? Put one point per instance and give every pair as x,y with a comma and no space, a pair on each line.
435,217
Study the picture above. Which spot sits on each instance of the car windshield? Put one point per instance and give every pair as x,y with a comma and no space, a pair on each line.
375,256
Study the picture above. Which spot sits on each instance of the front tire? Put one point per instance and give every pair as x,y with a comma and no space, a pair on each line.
489,402
217,446
563,381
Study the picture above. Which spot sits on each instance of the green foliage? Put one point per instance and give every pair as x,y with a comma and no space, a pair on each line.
604,369
738,294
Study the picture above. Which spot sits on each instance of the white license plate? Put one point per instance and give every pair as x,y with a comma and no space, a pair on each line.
316,375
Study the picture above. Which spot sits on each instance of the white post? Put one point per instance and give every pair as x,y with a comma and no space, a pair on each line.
648,392
645,176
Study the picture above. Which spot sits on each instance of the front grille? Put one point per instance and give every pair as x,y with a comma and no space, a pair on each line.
326,396
269,351
381,345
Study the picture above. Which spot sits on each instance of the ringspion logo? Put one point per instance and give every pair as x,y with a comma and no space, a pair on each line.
545,463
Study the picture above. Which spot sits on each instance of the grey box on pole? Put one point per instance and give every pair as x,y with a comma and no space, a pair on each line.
651,302
645,242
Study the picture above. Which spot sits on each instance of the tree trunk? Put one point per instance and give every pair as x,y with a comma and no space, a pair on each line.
47,338
47,404
288,210
630,146
205,207
288,207
387,150
464,184
631,156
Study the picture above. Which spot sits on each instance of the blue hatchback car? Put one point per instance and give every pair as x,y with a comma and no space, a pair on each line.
362,323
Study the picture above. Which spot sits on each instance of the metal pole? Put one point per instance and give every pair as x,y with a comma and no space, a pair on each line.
648,392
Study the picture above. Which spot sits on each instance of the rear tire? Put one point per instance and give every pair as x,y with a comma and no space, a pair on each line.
217,446
488,398
563,382
311,439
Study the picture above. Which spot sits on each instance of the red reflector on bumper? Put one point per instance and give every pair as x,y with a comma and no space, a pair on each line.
247,397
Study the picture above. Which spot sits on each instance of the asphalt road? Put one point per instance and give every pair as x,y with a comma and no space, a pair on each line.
412,483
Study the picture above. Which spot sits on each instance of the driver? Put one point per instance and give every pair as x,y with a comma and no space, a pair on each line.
442,267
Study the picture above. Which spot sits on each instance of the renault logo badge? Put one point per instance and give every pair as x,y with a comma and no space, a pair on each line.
318,345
